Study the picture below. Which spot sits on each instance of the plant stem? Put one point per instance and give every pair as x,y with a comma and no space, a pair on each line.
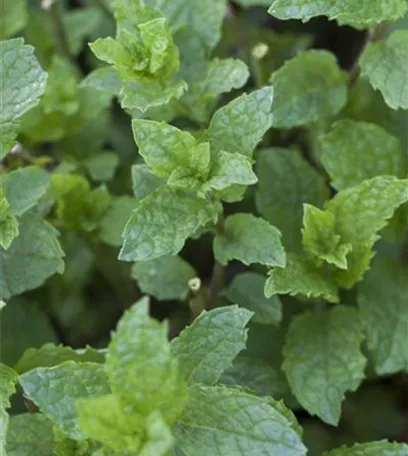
59,31
216,283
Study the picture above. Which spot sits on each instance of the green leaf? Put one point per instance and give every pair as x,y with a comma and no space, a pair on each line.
320,238
8,223
307,88
104,78
144,181
382,299
13,17
249,239
354,151
55,391
206,348
164,278
7,388
115,218
22,84
247,290
102,167
322,359
23,187
241,124
30,434
384,63
32,258
50,355
347,12
286,182
301,277
140,345
380,448
245,424
162,222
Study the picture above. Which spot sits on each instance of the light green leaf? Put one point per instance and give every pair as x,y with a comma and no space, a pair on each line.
8,379
207,347
115,218
144,181
22,84
80,23
23,187
50,355
13,17
241,124
248,3
301,277
30,434
320,238
231,168
383,298
244,424
308,88
104,78
380,448
322,359
247,290
162,222
140,345
8,223
102,167
354,151
347,12
32,258
249,239
286,182
164,278
55,391
384,63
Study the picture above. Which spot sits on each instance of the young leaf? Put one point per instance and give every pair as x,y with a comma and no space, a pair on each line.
206,348
22,84
30,434
347,12
234,422
384,63
7,388
162,222
355,151
8,223
55,391
105,79
140,345
241,124
33,256
102,167
246,290
23,187
144,182
307,88
164,278
383,298
286,182
322,359
301,277
249,239
380,448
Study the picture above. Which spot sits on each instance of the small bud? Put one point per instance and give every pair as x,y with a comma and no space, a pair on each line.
194,284
259,51
47,4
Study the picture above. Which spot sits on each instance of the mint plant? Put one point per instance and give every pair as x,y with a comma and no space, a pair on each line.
203,228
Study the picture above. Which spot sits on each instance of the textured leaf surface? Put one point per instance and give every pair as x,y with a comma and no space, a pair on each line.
140,345
307,88
286,182
359,15
22,84
55,391
162,222
8,379
206,348
380,448
249,239
30,434
322,359
232,422
355,151
241,124
385,65
383,302
33,256
144,181
23,187
247,290
301,277
164,278
8,223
